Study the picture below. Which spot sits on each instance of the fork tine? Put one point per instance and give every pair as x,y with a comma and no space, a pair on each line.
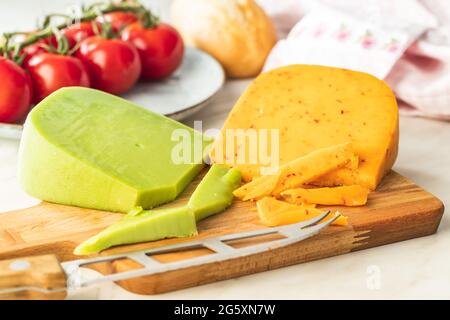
294,234
280,229
307,228
324,224
305,224
317,219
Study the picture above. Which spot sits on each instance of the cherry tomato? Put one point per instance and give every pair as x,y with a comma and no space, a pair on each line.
76,33
31,50
15,92
50,72
118,19
113,64
161,49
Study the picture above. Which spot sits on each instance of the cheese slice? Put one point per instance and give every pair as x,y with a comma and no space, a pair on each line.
314,107
258,188
215,192
346,195
273,212
298,172
141,226
90,149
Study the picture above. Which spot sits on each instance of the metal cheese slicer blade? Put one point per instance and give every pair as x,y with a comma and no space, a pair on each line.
221,251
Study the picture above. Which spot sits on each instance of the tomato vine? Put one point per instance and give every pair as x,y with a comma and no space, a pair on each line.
14,51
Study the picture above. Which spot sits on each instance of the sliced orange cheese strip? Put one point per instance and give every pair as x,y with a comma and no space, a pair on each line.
313,107
257,188
314,165
298,172
273,212
346,195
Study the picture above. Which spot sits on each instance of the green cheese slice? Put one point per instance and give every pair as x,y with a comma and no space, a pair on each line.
215,192
90,149
213,195
142,226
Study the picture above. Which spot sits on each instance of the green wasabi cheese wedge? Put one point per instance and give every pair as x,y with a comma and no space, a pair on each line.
213,195
215,192
141,226
90,149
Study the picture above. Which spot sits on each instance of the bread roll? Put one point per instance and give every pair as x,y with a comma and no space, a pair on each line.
236,32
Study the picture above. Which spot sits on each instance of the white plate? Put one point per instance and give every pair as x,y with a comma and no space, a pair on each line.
188,90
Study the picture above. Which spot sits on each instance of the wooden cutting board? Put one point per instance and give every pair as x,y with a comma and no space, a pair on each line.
398,210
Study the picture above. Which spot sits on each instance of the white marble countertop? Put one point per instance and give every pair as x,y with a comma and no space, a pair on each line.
414,269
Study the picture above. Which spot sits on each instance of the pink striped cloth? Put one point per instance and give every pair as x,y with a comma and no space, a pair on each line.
405,42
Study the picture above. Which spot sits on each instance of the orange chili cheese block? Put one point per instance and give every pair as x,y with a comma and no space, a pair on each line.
314,107
346,195
298,172
273,212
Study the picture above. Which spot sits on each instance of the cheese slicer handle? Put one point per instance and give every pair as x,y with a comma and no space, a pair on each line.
32,278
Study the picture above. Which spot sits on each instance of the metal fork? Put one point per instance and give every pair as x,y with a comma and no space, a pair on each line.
221,251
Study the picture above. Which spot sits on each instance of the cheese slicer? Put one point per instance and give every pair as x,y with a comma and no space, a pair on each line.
43,277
